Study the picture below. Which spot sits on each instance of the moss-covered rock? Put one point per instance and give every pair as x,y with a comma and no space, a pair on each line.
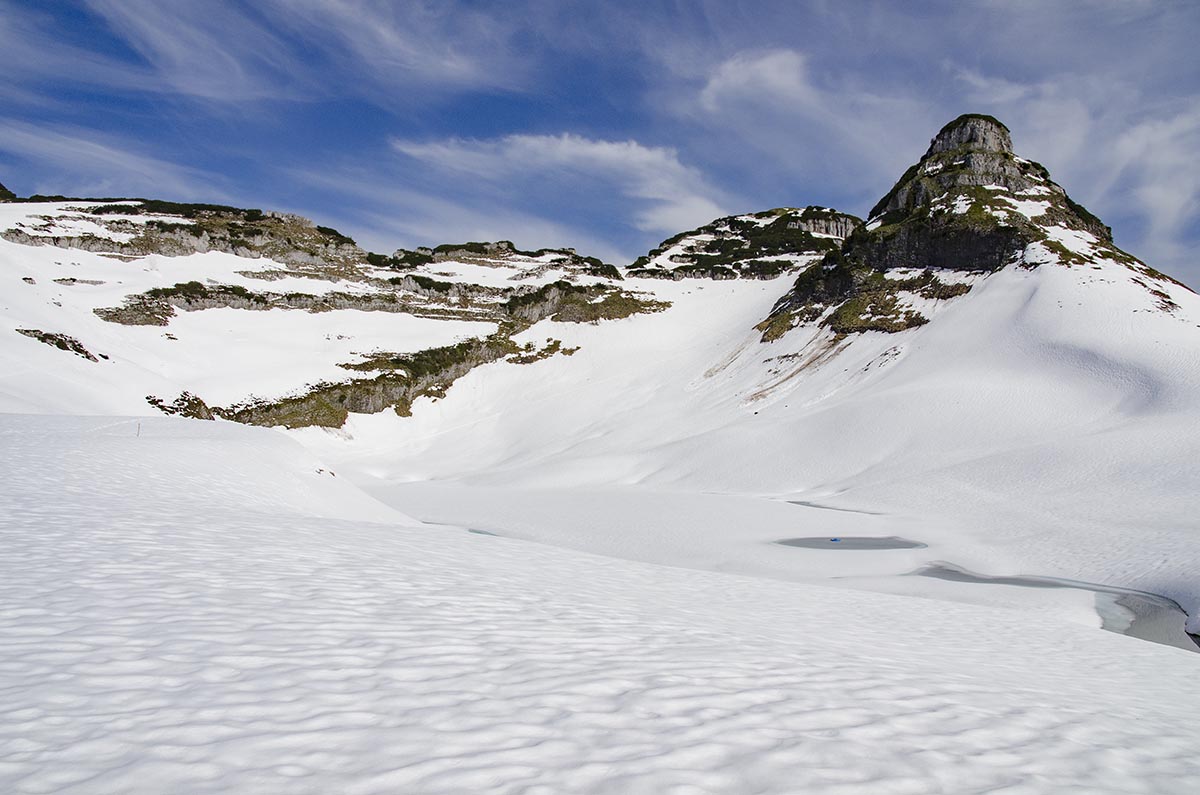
968,205
400,379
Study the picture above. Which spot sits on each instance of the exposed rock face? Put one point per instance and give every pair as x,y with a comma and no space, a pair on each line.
5,193
328,405
971,152
297,244
756,246
60,341
186,405
968,205
972,132
839,225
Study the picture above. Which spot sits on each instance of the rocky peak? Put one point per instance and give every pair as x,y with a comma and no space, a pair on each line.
970,152
973,132
970,166
971,206
6,194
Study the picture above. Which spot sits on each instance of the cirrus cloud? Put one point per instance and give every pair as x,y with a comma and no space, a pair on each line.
668,195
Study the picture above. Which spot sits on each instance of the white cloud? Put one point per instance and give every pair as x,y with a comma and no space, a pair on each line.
992,89
1156,159
209,50
836,130
671,196
1131,167
384,217
314,49
81,163
775,75
399,44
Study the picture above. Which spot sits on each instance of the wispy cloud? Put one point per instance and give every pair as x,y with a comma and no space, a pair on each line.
80,162
209,50
34,53
669,195
1156,162
301,49
383,216
828,128
447,44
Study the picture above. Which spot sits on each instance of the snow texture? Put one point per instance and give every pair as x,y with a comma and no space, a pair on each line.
599,601
186,616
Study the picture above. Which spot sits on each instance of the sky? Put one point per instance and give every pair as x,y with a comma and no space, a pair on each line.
605,126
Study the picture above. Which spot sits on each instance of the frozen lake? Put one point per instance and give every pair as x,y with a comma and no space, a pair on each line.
1135,613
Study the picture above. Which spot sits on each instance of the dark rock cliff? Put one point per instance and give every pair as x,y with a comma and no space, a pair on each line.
969,205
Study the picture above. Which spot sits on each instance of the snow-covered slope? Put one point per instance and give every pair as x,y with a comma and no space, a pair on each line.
1041,423
1014,434
174,624
718,521
204,308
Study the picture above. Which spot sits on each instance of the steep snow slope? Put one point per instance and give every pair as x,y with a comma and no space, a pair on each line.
181,613
223,354
153,311
1022,431
1042,424
1025,406
775,520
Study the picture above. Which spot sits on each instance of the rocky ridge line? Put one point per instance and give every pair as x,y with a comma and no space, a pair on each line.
968,207
761,245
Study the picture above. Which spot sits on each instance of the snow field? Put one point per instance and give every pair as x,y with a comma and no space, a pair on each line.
184,615
225,355
1040,425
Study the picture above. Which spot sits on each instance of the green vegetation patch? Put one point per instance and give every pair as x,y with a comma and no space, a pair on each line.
877,310
530,353
401,260
194,291
186,210
613,306
853,300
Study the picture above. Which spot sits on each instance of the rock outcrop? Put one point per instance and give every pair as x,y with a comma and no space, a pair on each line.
969,205
756,246
282,237
971,132
6,194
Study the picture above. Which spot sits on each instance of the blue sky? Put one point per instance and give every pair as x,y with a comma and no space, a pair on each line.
606,126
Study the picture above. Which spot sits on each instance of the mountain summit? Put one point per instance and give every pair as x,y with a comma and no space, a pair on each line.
969,205
970,153
974,132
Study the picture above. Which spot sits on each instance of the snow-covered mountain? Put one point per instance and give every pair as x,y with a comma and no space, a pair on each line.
754,246
770,433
